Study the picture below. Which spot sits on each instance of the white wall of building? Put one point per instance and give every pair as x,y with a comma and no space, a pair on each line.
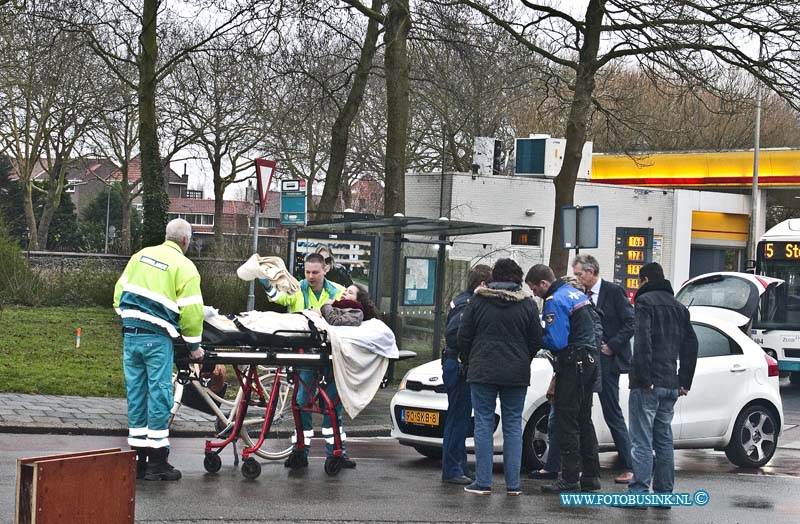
504,200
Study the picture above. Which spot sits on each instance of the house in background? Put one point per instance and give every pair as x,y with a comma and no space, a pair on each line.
237,222
366,196
177,185
83,180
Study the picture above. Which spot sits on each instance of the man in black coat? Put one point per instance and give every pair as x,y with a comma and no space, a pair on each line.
664,336
616,315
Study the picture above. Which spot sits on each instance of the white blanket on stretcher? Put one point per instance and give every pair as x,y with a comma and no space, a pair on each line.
360,353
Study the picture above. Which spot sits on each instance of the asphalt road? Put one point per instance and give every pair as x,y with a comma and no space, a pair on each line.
394,484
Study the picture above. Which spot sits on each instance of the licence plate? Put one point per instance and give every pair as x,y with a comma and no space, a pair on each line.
424,418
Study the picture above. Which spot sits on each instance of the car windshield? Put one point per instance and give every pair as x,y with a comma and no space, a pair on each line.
723,291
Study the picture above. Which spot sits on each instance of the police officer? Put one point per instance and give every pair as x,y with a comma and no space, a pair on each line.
570,335
158,297
315,291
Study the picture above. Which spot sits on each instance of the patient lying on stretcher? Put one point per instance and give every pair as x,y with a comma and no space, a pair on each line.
352,309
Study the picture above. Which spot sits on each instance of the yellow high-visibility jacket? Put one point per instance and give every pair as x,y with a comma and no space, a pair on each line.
305,298
161,287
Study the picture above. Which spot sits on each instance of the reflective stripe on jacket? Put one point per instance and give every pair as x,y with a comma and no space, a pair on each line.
160,286
305,298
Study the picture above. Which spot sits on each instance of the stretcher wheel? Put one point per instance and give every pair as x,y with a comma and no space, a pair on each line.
212,462
333,465
251,469
296,460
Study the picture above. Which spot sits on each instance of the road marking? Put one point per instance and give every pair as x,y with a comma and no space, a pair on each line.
769,475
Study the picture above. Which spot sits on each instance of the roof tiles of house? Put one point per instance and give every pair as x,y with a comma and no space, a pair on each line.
230,207
206,206
81,169
135,172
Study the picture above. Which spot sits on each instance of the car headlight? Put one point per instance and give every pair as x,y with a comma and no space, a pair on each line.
403,381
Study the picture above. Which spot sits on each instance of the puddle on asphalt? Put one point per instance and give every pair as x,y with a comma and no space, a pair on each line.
752,503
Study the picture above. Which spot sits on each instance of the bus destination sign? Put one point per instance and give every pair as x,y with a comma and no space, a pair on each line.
780,250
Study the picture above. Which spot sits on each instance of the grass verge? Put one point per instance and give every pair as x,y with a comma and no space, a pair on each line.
38,353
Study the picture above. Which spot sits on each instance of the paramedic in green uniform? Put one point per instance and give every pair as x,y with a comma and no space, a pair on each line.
158,297
315,290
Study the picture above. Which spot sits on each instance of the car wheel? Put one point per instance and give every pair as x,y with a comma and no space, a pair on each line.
754,438
429,451
794,378
535,440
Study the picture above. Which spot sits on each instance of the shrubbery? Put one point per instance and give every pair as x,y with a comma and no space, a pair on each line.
18,284
93,284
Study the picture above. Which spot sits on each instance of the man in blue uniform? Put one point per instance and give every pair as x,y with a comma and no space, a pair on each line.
459,404
570,335
615,351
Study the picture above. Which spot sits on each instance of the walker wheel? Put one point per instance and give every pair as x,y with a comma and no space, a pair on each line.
333,465
251,469
212,462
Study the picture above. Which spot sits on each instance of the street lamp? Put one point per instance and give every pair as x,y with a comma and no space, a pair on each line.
108,214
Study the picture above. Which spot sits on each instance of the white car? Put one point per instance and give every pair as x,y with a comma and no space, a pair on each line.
734,404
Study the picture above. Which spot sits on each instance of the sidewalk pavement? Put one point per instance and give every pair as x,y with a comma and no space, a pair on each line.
68,415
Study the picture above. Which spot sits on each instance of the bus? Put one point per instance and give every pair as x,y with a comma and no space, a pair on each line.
776,326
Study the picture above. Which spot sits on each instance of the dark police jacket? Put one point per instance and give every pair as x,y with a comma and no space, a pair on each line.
454,322
663,334
568,319
499,335
616,314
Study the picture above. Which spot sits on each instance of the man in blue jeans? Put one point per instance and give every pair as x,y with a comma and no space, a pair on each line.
459,405
663,336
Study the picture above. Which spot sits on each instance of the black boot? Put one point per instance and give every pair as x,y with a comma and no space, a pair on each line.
158,468
561,485
141,462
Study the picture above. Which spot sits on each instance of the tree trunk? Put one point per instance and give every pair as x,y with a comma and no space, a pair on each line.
154,195
53,200
125,234
577,127
30,216
219,203
340,133
47,216
397,26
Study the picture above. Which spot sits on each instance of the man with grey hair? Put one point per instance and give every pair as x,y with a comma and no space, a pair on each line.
616,315
158,297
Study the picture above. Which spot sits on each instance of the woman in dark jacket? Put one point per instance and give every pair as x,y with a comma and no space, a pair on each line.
499,335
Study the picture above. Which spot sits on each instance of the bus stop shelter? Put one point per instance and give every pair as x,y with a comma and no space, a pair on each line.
393,234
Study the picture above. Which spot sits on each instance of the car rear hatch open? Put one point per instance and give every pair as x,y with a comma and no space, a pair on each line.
733,297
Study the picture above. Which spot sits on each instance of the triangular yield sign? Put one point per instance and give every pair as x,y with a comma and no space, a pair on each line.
264,170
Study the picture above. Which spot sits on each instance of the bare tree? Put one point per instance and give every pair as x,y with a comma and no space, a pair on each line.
396,26
48,103
124,33
117,137
340,133
214,97
688,43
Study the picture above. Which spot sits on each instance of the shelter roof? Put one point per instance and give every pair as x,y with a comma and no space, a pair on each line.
372,225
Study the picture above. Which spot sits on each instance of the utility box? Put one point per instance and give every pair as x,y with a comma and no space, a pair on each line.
542,156
89,486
